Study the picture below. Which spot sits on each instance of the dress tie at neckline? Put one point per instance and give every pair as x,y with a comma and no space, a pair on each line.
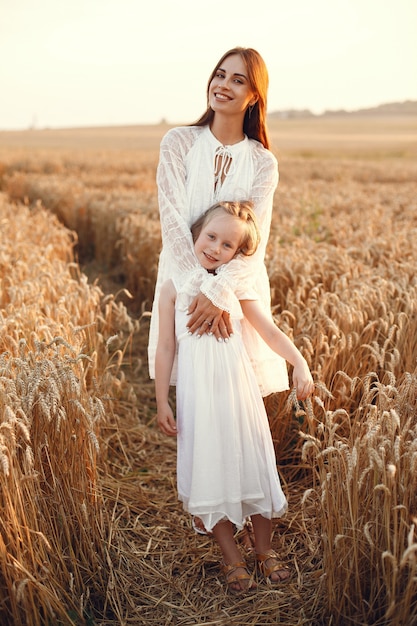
223,161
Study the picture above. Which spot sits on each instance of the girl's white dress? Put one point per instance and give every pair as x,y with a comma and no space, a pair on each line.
226,466
188,186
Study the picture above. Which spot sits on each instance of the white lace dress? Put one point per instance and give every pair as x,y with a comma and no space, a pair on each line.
226,467
187,186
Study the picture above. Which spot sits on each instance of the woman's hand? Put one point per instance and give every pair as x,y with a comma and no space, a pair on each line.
207,318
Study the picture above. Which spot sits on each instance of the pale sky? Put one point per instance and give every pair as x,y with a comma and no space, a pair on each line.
68,63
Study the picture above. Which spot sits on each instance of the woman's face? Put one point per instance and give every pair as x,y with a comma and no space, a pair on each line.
219,240
229,90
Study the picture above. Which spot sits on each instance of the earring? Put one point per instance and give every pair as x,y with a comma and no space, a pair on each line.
250,109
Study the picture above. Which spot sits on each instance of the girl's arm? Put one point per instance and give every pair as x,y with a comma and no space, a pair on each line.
282,345
164,358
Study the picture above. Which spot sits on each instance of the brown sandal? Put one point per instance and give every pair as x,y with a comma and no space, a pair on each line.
275,565
244,580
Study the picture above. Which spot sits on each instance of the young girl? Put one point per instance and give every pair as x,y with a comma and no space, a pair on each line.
226,468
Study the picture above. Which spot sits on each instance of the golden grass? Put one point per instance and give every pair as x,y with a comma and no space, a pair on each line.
92,530
59,380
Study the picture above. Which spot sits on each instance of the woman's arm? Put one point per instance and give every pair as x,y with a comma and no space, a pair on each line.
176,235
282,345
164,358
240,275
172,200
222,293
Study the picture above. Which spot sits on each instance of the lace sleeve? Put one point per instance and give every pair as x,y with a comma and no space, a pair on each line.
172,199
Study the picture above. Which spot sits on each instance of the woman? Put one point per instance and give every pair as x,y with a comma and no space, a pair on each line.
223,156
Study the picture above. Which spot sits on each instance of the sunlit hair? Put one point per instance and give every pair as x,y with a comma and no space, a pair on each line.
254,125
240,210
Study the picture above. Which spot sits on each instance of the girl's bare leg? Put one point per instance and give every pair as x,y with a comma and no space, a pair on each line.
262,528
223,534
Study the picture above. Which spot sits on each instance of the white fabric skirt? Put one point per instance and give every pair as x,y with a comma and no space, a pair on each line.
226,466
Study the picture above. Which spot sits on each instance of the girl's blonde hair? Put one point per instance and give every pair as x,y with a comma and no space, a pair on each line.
240,210
254,123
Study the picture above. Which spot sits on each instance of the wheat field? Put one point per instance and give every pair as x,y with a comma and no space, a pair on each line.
91,532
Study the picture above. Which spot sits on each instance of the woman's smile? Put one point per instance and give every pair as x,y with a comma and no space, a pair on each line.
221,96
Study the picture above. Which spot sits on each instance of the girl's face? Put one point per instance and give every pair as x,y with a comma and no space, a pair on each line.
229,91
219,240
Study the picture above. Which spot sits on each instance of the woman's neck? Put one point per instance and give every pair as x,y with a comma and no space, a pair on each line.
227,130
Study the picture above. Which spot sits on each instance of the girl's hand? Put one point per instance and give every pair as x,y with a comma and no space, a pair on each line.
166,421
302,380
207,318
